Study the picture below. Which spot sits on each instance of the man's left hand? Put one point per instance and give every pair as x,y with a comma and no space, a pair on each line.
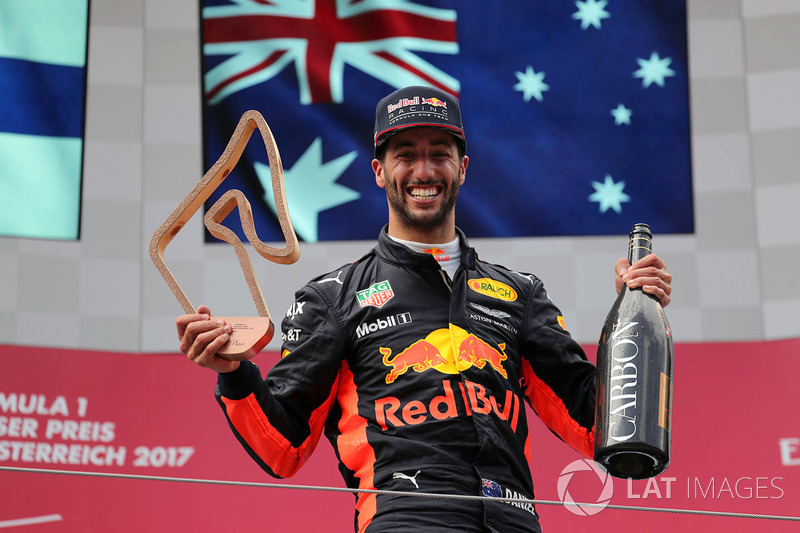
649,273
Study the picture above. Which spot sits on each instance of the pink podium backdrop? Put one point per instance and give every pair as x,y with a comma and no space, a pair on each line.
735,449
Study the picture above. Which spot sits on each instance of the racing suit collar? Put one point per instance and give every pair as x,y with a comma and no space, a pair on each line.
395,252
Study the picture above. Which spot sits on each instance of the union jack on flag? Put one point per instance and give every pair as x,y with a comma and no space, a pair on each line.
576,113
319,39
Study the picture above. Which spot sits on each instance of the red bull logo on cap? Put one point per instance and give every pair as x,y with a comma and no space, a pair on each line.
434,102
435,352
403,102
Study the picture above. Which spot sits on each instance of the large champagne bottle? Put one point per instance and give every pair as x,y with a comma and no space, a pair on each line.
634,379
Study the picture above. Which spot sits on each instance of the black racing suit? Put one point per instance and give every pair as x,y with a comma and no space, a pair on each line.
418,382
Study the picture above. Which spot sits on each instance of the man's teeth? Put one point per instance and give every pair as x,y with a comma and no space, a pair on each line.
423,193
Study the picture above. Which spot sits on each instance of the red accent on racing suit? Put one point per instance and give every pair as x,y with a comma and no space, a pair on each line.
417,381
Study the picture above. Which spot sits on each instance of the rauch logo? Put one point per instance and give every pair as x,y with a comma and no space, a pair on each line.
493,288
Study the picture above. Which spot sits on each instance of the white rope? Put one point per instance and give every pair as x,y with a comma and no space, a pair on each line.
394,493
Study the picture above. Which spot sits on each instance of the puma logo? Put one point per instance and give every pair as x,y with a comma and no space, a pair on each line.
412,479
336,279
529,277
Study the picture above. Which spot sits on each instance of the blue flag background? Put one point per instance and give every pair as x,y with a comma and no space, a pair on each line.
576,113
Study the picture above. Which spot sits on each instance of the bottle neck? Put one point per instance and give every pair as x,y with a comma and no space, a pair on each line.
640,243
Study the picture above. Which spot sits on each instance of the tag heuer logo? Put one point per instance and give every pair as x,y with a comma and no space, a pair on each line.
377,295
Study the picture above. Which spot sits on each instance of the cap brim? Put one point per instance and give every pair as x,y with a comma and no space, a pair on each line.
385,135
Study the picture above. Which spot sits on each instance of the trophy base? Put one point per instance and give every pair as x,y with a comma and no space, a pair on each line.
249,336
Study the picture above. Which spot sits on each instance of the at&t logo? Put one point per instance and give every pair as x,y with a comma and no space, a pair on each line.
585,465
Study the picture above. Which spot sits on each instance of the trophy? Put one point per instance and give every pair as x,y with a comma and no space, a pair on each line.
250,334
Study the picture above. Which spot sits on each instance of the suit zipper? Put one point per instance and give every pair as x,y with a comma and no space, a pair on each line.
446,280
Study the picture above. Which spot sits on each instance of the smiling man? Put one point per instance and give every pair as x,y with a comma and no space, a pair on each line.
420,161
416,360
421,171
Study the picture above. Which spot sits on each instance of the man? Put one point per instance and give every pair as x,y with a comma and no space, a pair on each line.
415,359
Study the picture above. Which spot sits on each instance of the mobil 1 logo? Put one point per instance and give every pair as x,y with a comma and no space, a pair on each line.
382,323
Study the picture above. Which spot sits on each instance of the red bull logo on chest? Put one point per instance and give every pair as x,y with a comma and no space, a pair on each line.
462,399
448,351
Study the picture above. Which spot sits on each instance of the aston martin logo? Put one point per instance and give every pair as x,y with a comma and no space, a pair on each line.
491,312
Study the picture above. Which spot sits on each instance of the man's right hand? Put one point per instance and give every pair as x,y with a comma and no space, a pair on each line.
201,335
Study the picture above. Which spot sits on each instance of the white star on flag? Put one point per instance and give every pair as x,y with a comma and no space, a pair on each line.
621,114
591,13
654,70
531,83
311,188
609,194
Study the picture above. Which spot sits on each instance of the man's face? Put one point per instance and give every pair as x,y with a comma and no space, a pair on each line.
421,172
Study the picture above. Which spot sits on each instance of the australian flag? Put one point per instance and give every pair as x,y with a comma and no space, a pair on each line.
576,112
490,488
42,94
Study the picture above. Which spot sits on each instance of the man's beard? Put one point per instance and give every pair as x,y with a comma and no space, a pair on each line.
399,202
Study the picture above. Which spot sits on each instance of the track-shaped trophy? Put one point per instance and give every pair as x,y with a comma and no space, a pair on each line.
250,334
